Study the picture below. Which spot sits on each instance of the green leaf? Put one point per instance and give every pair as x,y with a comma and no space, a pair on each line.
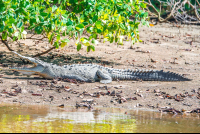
145,14
81,31
19,24
79,26
10,30
41,18
14,38
31,9
99,31
94,19
65,40
11,21
143,5
122,26
43,14
85,41
90,29
14,6
111,39
98,24
140,41
54,7
100,8
116,38
76,34
37,19
56,44
90,21
69,22
94,42
114,27
63,44
69,28
21,29
85,23
38,29
146,23
94,36
92,47
4,35
65,16
51,37
88,48
1,28
136,24
32,21
78,46
58,37
31,27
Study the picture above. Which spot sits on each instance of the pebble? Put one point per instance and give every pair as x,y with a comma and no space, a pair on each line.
87,100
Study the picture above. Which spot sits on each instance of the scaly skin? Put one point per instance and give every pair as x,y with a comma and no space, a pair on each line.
93,73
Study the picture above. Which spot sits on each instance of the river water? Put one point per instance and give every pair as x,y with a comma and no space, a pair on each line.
51,119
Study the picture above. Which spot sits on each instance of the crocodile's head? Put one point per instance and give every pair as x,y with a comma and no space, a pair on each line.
38,68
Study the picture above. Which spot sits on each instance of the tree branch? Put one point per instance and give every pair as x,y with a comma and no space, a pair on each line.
177,10
196,13
6,44
44,52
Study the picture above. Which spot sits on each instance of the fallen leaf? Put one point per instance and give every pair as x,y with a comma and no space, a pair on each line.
151,25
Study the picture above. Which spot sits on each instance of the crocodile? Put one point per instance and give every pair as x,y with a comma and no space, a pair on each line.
93,72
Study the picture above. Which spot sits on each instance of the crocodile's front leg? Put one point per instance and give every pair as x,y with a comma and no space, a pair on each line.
104,77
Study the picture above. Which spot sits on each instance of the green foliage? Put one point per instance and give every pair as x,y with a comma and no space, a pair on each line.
61,20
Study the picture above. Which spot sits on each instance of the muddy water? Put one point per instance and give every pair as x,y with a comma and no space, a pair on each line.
51,119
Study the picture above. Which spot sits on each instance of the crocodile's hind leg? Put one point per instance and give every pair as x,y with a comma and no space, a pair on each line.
104,77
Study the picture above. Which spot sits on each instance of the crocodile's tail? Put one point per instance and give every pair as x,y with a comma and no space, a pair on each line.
147,75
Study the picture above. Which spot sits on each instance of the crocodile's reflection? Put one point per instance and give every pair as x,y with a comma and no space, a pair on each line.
51,119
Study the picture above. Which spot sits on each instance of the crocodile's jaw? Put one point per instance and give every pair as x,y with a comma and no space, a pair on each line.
29,71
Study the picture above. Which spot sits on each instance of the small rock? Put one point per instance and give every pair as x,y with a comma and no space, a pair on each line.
61,106
39,89
68,89
119,87
37,94
51,97
138,105
140,95
134,98
81,96
122,100
156,91
15,100
113,93
88,100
